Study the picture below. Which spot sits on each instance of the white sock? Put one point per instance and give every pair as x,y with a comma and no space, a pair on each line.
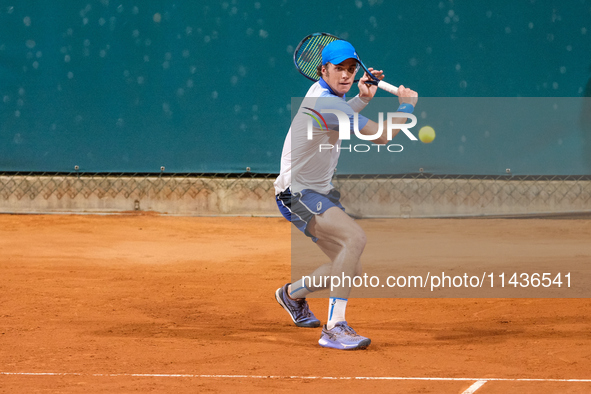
298,289
336,311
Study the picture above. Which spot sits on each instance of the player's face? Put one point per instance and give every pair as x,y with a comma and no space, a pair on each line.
340,76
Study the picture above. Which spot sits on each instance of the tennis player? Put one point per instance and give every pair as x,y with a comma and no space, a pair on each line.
306,197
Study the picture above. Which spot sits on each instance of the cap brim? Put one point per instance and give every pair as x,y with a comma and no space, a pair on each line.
340,59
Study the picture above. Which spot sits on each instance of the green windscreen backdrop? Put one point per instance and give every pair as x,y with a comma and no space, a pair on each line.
207,86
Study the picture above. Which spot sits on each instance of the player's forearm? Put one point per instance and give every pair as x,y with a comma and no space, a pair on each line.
383,138
358,103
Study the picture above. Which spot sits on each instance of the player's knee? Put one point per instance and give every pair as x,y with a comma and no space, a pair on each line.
357,240
358,269
361,238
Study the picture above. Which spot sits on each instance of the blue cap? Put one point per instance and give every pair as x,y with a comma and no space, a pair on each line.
337,52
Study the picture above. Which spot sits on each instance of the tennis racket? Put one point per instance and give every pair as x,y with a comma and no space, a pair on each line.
308,55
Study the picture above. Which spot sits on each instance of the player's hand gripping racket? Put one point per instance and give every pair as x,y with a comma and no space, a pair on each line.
308,55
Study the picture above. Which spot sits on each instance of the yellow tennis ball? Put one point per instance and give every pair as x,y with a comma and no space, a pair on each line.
426,134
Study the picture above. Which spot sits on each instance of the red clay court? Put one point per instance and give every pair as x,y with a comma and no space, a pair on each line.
158,304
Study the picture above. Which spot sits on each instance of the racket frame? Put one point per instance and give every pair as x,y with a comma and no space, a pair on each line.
373,81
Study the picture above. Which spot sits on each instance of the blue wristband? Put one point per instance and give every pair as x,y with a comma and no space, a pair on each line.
408,108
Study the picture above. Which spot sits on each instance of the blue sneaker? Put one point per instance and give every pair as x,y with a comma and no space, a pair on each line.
298,309
342,337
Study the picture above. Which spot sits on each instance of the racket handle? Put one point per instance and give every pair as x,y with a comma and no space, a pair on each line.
388,88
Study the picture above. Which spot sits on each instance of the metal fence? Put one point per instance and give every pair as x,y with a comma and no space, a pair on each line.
403,195
429,195
101,185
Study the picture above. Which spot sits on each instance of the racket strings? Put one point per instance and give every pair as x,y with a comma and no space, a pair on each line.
309,55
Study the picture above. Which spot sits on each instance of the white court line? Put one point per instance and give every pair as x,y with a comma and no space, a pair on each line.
165,375
474,387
